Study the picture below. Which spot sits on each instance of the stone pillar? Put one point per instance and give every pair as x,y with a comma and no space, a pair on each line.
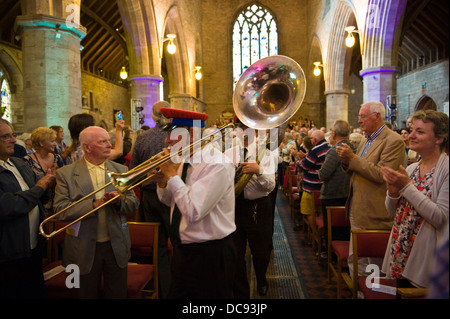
379,82
147,90
337,106
187,102
51,70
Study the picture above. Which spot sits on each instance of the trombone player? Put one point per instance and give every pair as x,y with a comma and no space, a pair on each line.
200,193
100,243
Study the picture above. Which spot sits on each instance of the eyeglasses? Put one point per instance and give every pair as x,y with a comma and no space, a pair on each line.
7,137
362,117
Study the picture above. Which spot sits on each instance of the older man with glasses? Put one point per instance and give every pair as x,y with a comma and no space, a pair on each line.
21,199
381,147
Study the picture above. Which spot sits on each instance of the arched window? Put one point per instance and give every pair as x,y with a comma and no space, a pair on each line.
5,110
254,37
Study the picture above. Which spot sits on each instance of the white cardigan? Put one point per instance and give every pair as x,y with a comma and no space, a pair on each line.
435,211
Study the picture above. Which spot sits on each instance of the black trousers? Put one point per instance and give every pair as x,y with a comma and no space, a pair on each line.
203,270
22,278
257,229
152,210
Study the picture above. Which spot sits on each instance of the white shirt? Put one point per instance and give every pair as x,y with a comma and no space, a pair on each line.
262,185
33,215
206,200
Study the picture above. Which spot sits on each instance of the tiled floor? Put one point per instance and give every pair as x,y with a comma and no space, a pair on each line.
313,273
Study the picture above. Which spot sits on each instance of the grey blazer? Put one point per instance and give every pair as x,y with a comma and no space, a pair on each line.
73,182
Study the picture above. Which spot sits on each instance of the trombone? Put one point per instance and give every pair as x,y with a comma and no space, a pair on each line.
266,96
124,182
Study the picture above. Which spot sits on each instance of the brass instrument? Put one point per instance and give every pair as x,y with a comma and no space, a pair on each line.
266,96
124,182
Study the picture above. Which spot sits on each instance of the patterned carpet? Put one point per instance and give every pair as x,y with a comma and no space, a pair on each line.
313,271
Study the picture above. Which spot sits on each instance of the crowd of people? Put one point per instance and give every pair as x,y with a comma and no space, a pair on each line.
387,180
401,176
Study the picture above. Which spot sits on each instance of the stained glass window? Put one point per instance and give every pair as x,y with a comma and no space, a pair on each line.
5,110
254,37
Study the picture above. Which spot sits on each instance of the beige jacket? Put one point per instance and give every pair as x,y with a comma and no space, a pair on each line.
368,189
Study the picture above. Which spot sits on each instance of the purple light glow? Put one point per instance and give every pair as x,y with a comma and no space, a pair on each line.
383,71
145,79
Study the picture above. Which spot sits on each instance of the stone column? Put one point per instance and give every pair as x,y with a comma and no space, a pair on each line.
337,106
187,102
147,90
379,82
51,70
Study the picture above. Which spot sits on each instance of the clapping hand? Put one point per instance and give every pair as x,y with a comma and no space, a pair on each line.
395,180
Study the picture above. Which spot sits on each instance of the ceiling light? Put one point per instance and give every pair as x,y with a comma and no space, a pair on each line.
123,73
350,39
316,70
171,47
198,74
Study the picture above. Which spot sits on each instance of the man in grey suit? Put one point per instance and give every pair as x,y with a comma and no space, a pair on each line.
100,243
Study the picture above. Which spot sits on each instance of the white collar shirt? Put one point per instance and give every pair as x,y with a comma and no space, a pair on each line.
206,200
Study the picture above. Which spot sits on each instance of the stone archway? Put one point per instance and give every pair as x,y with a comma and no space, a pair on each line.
425,103
15,79
338,65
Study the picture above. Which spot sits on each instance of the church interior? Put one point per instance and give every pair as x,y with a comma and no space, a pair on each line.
63,57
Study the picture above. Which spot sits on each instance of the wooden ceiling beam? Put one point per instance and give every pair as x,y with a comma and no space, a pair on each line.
110,30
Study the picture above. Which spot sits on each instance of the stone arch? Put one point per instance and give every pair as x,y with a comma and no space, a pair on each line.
315,84
338,65
178,68
143,47
425,103
380,40
381,35
14,75
338,57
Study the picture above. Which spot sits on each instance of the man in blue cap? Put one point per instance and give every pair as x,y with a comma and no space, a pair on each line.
201,196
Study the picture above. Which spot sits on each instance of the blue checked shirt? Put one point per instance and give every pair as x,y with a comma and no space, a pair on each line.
370,140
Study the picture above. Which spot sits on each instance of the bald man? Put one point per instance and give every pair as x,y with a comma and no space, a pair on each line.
100,243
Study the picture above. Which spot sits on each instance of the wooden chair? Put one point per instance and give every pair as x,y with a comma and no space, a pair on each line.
317,224
293,194
370,243
336,217
142,278
373,243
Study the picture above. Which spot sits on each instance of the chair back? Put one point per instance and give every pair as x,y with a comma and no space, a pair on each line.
370,243
143,234
336,216
144,243
317,201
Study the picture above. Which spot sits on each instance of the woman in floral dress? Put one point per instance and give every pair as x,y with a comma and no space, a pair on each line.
418,199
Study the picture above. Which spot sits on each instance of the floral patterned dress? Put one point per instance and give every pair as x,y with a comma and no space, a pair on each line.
407,223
